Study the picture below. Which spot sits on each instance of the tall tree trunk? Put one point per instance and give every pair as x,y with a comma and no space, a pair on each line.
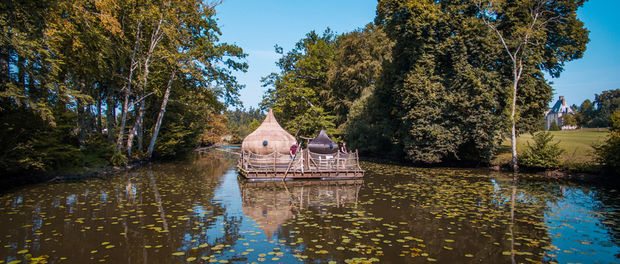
110,117
4,64
517,71
31,87
99,99
81,123
156,36
21,71
513,131
121,130
517,55
136,126
127,89
140,135
21,77
160,117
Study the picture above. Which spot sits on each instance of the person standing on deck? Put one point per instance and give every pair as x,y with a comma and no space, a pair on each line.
343,156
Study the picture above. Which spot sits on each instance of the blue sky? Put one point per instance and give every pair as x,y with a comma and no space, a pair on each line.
256,26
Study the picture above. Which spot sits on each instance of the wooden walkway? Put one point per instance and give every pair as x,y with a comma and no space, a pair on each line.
305,165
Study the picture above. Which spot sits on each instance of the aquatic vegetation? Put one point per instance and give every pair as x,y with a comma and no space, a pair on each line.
201,212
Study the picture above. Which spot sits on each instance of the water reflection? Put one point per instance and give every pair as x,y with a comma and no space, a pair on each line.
200,211
271,204
138,217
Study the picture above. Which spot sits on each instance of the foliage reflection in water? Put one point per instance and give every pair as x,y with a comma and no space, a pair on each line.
200,211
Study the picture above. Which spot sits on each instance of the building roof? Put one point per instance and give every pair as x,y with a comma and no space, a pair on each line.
560,107
322,144
269,137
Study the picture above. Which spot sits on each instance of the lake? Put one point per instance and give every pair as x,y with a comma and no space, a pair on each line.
200,211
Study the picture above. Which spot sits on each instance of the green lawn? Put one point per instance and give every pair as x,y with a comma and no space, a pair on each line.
577,144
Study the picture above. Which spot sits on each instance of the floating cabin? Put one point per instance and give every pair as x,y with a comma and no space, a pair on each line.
265,155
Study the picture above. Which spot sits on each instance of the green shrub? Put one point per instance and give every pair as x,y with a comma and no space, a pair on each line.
543,154
608,153
118,159
554,126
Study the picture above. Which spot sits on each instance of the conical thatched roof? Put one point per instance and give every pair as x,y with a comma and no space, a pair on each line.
268,137
322,144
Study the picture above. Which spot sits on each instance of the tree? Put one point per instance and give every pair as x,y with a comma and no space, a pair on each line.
569,120
355,69
215,130
585,113
543,154
554,126
608,152
606,103
299,92
242,122
66,66
185,31
442,97
542,33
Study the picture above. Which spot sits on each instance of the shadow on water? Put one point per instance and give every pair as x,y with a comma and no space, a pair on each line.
201,211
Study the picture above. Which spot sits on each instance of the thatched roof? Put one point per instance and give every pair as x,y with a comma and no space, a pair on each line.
322,144
268,137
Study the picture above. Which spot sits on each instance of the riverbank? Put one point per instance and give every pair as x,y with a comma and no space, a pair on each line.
599,178
12,182
588,177
576,163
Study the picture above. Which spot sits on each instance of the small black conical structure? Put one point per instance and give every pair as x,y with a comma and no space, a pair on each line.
322,144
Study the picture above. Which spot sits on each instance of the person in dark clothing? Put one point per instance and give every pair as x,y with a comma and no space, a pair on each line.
293,150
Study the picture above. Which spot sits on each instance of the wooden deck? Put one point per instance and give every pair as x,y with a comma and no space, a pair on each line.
305,165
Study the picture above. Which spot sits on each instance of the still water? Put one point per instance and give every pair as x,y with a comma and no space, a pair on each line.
199,211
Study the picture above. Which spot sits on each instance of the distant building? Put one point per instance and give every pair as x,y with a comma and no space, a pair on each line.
557,112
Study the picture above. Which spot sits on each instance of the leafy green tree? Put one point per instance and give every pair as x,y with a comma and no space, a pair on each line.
608,152
67,66
253,125
543,154
299,92
443,93
585,113
569,120
542,33
357,65
242,122
606,103
554,126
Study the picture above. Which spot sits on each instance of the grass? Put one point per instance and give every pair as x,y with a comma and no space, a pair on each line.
577,145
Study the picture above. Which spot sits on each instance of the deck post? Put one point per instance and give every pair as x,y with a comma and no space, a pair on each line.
338,164
307,159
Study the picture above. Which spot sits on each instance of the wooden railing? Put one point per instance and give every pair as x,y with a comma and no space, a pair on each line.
304,161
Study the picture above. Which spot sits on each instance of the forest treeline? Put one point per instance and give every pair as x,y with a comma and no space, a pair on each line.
242,122
597,113
429,81
89,83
